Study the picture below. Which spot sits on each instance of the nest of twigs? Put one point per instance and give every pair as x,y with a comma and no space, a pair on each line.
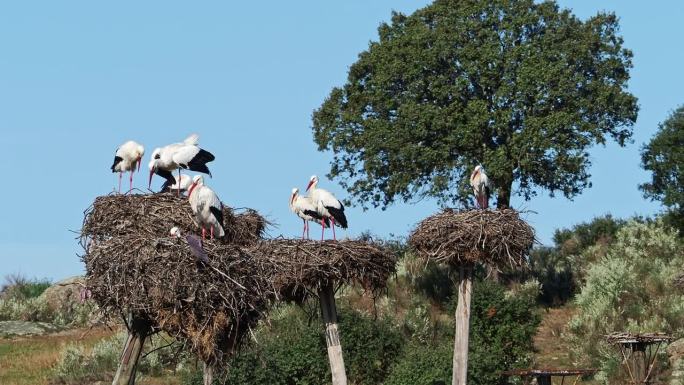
299,266
207,305
153,215
134,267
495,237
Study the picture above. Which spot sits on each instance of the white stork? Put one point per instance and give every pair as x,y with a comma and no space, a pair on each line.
305,209
125,159
186,155
194,242
172,185
480,183
207,207
327,206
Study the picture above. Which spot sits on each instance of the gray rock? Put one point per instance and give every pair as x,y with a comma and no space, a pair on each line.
63,295
26,328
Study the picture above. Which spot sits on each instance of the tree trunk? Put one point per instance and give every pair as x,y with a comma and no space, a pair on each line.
125,375
332,335
462,326
503,199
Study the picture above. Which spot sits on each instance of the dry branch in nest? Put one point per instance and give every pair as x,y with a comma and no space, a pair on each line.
299,265
153,215
495,237
208,306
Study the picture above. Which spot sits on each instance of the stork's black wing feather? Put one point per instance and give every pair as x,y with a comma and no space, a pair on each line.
199,162
170,180
117,160
338,215
315,215
218,214
196,248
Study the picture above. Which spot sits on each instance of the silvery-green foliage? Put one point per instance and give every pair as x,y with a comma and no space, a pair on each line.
629,288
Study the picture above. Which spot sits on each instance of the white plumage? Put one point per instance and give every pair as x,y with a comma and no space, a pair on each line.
327,205
305,209
186,155
127,156
207,207
480,184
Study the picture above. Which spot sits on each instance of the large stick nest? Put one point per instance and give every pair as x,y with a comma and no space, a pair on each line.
495,237
297,266
154,215
133,266
209,306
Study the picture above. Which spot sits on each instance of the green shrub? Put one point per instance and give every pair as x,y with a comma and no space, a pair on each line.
501,329
629,288
18,287
31,309
76,365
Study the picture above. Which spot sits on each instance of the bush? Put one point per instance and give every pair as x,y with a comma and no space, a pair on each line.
77,365
501,331
629,288
18,287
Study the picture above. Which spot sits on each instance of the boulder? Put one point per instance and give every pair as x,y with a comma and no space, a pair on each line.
65,294
26,328
675,353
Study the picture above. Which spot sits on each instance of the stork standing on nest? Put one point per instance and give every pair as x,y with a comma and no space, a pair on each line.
327,206
125,159
305,209
207,208
480,183
186,155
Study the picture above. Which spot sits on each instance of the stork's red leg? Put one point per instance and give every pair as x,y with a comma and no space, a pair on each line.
307,230
204,233
304,228
120,175
332,224
322,228
131,181
178,183
212,232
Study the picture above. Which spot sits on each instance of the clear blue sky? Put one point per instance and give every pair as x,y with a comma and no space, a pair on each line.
77,78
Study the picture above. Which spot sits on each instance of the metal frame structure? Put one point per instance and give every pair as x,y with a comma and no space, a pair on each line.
545,376
639,353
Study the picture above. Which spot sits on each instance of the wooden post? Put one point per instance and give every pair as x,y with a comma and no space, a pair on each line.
462,326
640,362
125,375
544,379
208,374
332,335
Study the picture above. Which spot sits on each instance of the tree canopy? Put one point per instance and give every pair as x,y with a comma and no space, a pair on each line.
664,157
524,89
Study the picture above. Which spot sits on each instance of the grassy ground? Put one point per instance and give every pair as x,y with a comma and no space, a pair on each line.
29,360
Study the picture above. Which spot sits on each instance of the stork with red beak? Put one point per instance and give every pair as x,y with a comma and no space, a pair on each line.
480,183
185,155
327,206
305,209
207,207
125,159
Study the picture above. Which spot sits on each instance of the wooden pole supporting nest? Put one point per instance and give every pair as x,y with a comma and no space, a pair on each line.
639,353
462,325
332,336
139,330
461,240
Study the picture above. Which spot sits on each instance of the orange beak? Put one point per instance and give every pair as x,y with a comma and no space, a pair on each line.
292,198
191,189
149,184
309,185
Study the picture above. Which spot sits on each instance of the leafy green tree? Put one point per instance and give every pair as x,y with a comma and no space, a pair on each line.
664,157
523,88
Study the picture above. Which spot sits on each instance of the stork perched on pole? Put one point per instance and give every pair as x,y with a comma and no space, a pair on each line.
305,209
480,183
125,159
327,206
186,155
207,207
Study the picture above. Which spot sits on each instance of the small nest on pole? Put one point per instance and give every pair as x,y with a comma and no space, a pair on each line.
297,266
495,237
154,215
209,306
